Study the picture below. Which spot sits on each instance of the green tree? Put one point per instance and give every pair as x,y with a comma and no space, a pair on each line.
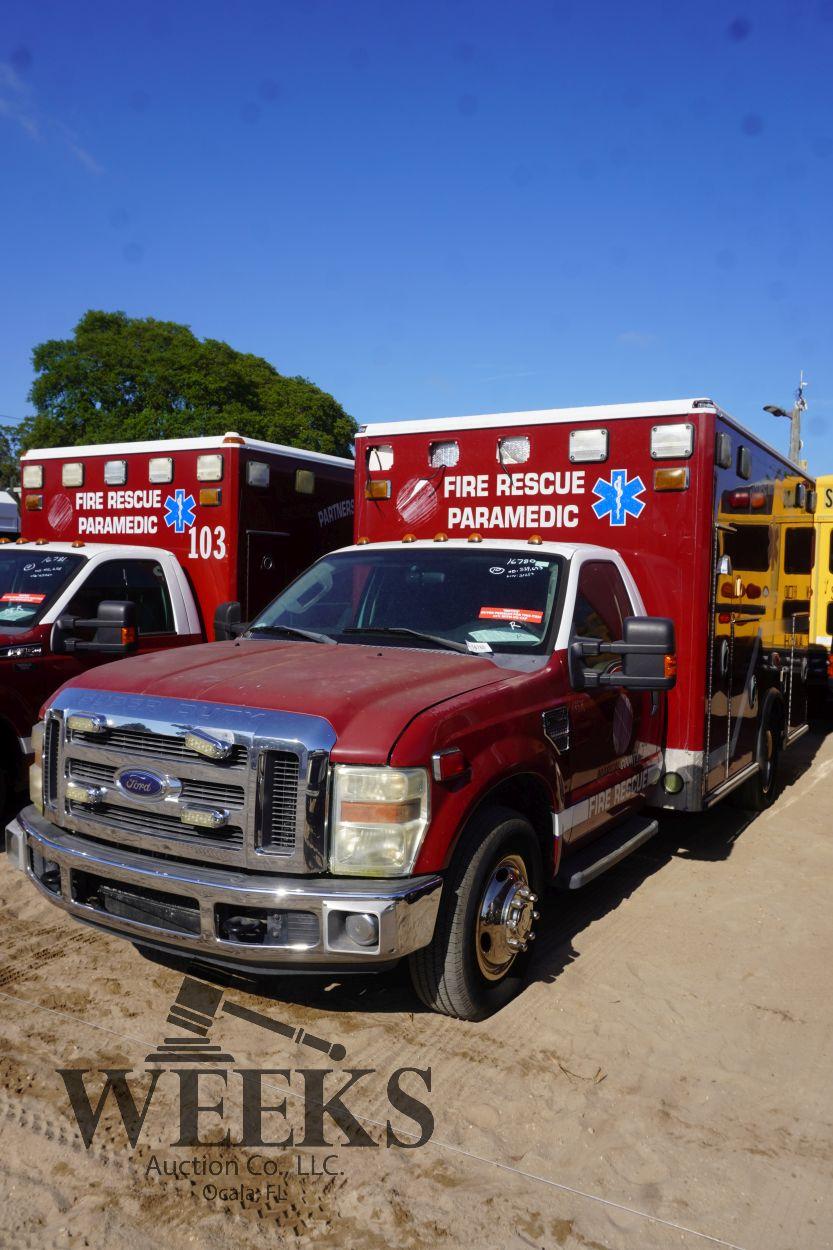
9,456
122,377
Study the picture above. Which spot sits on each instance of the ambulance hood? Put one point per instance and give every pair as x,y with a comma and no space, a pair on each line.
369,694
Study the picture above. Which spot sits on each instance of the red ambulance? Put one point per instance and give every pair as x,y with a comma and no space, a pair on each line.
179,529
537,636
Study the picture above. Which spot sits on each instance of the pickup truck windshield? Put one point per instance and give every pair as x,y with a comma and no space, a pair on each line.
30,581
469,599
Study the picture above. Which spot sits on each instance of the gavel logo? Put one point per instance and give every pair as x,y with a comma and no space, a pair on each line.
195,1010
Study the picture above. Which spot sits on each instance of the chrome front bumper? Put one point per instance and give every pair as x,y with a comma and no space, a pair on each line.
405,908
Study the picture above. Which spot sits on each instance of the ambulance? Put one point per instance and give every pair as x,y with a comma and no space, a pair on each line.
537,639
173,531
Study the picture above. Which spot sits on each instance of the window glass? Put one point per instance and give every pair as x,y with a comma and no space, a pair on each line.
30,582
602,603
142,582
799,549
748,547
492,600
830,618
830,554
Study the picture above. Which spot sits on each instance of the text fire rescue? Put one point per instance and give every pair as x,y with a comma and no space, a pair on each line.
140,502
513,485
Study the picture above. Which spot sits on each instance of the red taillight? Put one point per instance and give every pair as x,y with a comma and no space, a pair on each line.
753,591
727,590
830,665
725,618
739,499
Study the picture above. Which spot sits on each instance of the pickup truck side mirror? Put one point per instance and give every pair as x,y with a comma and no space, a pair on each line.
227,623
648,657
115,631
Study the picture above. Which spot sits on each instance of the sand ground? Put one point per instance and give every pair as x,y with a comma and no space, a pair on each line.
663,1081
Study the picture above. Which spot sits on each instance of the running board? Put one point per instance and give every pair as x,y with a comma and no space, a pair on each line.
606,852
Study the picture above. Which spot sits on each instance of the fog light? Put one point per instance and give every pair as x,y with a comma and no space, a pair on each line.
204,817
36,786
86,724
206,744
77,792
362,928
672,783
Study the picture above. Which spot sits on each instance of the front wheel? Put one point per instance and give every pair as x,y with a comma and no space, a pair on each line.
476,960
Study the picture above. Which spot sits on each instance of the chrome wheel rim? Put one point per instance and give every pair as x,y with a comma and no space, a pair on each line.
504,918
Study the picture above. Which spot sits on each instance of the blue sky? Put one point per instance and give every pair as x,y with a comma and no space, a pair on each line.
437,208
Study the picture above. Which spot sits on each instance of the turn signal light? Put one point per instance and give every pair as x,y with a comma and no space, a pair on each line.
380,813
211,496
757,498
34,503
204,818
671,479
670,666
128,635
86,724
377,488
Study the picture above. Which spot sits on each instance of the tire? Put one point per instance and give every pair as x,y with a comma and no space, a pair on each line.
467,970
760,791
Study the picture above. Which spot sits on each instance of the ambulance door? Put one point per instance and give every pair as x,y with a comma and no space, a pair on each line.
269,567
613,732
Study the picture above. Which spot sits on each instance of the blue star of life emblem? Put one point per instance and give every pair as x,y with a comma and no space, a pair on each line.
179,511
618,497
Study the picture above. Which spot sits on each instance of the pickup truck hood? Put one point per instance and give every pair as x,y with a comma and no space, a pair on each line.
369,694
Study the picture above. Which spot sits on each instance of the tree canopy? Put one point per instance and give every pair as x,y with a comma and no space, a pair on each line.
9,451
121,378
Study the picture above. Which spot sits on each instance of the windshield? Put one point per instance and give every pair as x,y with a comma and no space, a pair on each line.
30,581
472,600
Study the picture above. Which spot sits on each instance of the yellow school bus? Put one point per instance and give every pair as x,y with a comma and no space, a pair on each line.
821,622
767,532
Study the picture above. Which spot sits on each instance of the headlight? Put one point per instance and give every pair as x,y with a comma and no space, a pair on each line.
36,769
380,816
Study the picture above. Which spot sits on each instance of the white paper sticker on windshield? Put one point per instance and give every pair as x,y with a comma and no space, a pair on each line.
478,648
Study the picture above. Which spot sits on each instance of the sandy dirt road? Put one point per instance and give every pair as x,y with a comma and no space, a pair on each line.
664,1080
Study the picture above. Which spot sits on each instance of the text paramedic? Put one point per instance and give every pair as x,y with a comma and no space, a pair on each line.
514,485
136,501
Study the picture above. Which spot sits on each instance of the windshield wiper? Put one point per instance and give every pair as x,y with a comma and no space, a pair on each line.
401,631
293,630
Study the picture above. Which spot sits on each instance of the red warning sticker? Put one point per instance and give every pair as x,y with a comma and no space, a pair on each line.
527,615
21,597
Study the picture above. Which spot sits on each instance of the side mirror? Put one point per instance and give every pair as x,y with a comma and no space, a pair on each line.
115,631
648,657
227,623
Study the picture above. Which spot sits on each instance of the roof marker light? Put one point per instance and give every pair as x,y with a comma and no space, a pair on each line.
475,537
234,437
360,542
409,538
441,537
79,542
535,541
41,542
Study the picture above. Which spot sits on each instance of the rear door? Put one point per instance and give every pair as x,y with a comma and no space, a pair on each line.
613,732
268,560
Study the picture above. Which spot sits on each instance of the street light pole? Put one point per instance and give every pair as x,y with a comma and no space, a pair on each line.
794,418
